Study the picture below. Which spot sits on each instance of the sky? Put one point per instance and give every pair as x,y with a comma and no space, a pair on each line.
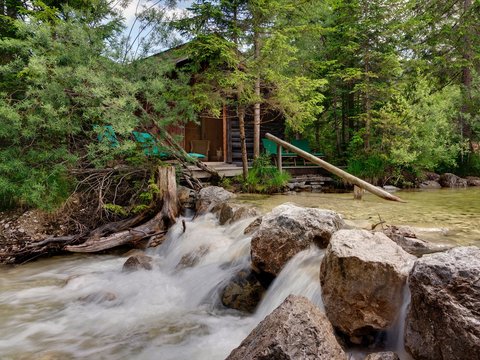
133,27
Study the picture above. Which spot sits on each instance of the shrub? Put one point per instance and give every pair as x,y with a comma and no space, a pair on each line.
265,178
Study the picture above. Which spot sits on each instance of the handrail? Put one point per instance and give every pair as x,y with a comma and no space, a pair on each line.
335,170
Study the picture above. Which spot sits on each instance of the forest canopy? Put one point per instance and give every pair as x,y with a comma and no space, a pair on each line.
389,88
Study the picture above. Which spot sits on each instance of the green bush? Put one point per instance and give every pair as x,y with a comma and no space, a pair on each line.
372,167
265,178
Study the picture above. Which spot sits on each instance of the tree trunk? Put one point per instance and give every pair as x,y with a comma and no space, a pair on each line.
467,77
243,143
158,225
256,106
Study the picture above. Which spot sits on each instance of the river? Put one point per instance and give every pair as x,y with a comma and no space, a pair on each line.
85,307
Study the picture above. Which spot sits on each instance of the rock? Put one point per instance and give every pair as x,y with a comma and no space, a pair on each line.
193,258
297,329
211,196
286,231
230,212
430,184
443,320
243,292
406,238
473,181
362,276
137,262
386,355
186,197
254,226
452,181
432,176
390,188
100,297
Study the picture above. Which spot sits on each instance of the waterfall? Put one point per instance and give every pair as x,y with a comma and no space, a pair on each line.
83,307
300,276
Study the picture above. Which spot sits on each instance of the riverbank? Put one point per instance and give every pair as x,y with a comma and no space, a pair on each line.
82,306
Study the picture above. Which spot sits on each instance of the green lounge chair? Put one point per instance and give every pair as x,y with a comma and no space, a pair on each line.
305,146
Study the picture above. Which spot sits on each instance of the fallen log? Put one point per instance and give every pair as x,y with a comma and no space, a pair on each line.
157,225
335,170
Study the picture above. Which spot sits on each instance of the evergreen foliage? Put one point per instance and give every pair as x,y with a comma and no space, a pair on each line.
387,87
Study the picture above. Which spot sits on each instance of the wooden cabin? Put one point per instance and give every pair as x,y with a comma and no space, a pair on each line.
222,135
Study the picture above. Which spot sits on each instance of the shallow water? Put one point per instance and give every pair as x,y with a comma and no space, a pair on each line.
451,216
84,307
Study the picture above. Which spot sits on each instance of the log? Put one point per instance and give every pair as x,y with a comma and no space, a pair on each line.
335,170
156,226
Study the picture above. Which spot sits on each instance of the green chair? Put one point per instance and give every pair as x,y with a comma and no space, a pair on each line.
303,144
106,133
271,149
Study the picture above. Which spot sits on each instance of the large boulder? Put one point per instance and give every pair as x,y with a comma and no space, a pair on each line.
297,329
362,276
473,181
443,320
452,181
210,197
243,292
286,231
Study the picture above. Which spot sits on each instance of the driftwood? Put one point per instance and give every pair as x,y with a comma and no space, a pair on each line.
155,226
335,170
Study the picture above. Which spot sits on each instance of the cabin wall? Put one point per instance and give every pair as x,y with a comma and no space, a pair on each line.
272,122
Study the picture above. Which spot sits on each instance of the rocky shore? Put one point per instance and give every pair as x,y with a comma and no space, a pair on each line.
364,277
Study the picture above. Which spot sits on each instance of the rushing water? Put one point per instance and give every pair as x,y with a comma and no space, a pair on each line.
84,307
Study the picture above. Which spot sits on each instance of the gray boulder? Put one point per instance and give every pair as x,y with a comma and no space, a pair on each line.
287,230
362,276
452,181
297,329
210,197
473,181
443,320
243,292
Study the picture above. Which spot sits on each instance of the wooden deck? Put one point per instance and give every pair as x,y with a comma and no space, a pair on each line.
230,170
224,169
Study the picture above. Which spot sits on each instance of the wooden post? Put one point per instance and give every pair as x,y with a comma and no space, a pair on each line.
224,128
357,193
334,170
279,158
